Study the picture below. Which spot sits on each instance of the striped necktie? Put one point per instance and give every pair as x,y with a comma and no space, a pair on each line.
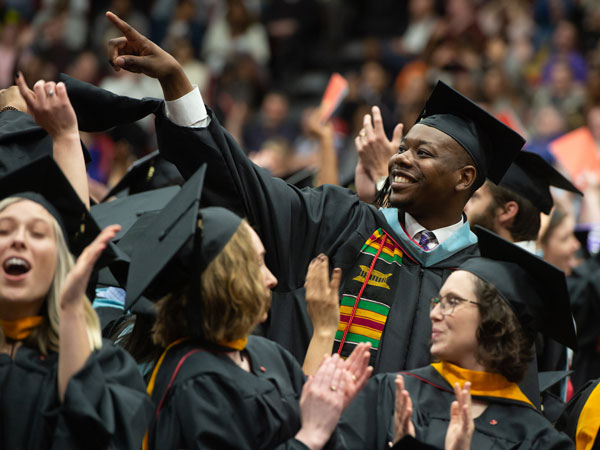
427,239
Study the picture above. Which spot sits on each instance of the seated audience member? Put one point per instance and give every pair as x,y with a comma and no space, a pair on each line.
393,260
214,386
484,321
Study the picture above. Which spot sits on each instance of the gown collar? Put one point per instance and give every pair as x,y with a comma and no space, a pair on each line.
483,384
459,240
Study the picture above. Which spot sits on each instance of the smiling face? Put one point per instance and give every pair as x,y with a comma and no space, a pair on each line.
427,172
28,252
454,337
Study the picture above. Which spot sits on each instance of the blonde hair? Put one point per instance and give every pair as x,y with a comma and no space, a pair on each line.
234,297
45,336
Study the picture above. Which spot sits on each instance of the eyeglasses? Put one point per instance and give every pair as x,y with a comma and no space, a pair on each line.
448,303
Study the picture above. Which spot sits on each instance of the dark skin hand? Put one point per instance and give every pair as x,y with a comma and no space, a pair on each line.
136,53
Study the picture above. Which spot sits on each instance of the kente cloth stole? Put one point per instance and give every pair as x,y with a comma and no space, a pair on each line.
367,294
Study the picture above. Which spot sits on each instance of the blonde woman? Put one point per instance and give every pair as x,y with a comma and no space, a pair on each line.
61,386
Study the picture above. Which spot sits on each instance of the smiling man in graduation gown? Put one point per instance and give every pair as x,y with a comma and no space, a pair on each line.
391,263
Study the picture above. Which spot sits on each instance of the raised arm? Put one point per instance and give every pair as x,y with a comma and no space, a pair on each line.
74,343
51,109
322,302
374,153
136,53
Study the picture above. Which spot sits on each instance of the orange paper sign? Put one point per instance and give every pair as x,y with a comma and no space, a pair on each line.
577,153
335,93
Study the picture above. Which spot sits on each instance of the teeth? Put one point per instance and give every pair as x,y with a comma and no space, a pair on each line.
400,179
16,262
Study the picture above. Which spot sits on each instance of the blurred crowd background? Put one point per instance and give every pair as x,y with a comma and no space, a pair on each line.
262,66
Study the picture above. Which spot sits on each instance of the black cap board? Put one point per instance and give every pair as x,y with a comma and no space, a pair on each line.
127,210
550,378
22,140
535,290
180,241
531,176
42,181
491,144
152,171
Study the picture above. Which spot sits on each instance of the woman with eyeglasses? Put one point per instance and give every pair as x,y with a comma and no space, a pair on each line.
483,324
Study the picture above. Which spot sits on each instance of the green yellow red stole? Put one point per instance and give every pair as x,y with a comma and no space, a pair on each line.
365,300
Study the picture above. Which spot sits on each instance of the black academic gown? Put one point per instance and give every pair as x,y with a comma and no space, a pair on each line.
295,226
584,289
505,424
581,417
214,404
105,405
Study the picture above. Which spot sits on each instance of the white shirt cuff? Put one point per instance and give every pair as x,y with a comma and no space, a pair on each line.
188,111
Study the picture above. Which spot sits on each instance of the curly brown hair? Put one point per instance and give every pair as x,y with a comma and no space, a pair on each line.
505,346
233,297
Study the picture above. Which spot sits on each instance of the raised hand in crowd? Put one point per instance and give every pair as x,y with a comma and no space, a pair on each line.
11,98
73,338
374,153
51,109
136,53
322,402
323,132
322,304
460,430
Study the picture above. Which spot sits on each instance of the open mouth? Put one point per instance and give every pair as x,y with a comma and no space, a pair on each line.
16,266
402,179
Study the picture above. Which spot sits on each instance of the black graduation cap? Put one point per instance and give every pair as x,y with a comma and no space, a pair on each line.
22,140
98,109
127,210
44,182
550,378
178,243
152,171
531,176
534,289
491,144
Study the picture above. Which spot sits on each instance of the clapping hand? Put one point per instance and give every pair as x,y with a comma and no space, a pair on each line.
403,424
460,430
73,291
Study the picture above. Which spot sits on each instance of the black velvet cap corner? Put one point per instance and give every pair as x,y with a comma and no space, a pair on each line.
22,140
491,144
43,181
531,176
127,210
177,243
535,290
150,172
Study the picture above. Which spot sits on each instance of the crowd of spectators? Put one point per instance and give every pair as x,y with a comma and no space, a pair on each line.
262,64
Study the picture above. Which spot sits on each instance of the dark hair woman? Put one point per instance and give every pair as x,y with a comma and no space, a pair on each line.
483,324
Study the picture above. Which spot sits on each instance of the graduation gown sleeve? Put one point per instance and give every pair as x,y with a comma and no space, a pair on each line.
295,225
105,405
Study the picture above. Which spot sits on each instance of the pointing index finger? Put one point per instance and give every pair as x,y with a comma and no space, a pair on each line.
128,31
